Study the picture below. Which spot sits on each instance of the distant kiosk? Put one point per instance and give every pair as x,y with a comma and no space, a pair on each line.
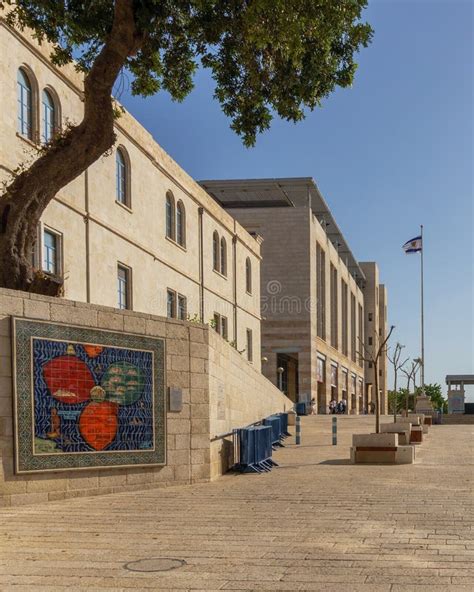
456,391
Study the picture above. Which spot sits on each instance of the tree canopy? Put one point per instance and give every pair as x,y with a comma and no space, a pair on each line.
266,57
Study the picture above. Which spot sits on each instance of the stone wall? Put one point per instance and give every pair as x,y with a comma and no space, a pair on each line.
197,360
238,396
187,436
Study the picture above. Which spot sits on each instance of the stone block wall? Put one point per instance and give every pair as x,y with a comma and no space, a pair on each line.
238,396
187,432
198,361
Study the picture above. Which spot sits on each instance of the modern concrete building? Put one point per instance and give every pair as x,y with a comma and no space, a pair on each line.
375,330
134,231
317,304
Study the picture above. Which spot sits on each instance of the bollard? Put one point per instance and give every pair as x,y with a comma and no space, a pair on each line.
298,430
334,430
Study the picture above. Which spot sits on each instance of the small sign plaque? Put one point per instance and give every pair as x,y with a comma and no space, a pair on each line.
175,399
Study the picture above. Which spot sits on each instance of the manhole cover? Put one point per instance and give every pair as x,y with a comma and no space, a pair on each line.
155,564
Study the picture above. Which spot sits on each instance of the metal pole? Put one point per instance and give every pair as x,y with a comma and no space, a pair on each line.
298,430
334,430
422,321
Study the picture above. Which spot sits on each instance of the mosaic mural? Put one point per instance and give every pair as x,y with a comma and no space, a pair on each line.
87,398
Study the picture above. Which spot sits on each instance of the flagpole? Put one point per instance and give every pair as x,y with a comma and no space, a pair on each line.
422,320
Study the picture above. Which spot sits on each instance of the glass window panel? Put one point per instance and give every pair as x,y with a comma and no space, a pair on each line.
171,304
123,287
50,252
121,178
181,307
24,105
48,116
180,224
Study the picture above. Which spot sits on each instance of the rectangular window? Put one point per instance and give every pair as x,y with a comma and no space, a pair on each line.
249,345
171,304
344,319
371,317
221,325
224,331
320,292
353,328
182,307
124,288
51,252
334,319
370,340
370,364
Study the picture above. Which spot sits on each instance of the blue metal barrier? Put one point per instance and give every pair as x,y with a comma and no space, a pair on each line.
275,422
284,424
301,408
255,449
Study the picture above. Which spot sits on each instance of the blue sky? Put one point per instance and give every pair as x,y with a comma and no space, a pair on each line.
391,153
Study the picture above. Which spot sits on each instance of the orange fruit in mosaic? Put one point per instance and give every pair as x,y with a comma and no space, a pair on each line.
68,379
98,424
93,350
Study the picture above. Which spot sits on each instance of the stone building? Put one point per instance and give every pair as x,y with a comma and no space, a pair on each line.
318,306
134,231
375,295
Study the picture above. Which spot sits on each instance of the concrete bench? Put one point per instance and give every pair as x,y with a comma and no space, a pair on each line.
416,430
403,431
380,448
420,417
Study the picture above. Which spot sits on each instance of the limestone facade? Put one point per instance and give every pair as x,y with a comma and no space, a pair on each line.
313,290
112,216
375,297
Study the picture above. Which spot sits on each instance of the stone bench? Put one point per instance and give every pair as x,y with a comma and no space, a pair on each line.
419,418
403,431
380,449
416,430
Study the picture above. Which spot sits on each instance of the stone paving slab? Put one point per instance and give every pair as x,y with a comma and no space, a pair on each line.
315,523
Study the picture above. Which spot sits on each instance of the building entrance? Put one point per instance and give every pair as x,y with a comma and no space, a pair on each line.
288,378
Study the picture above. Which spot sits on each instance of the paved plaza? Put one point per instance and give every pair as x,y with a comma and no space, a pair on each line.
315,523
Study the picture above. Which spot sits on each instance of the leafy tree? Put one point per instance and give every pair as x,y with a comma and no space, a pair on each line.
400,398
435,393
266,57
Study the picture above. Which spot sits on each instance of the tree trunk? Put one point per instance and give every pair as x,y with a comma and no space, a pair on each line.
395,398
377,398
28,195
408,394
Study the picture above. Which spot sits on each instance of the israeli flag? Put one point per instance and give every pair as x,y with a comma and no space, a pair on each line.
414,245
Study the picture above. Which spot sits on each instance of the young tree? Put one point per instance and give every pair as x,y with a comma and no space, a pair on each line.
372,355
410,373
266,57
394,358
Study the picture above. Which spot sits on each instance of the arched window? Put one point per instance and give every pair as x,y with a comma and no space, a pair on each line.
122,177
170,216
248,275
215,251
223,256
180,224
25,105
48,117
